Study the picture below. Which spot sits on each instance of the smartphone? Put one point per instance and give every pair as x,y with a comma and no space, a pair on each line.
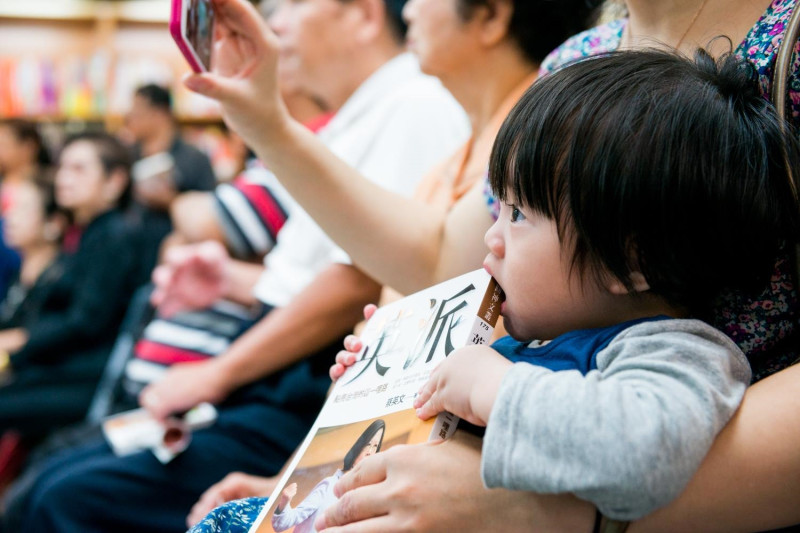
192,26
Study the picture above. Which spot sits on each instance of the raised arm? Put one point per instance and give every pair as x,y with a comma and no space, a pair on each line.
403,243
750,480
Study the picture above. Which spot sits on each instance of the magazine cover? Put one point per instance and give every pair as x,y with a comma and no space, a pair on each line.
371,407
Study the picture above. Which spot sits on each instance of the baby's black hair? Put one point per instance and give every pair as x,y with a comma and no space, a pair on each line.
650,162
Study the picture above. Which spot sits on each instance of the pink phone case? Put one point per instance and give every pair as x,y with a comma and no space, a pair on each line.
177,35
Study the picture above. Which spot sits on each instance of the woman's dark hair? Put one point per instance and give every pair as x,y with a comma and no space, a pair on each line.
394,18
362,441
26,131
650,162
113,155
539,26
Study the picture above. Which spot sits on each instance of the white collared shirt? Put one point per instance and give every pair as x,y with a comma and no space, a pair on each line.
393,129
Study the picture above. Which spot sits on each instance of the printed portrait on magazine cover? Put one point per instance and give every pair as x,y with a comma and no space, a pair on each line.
332,452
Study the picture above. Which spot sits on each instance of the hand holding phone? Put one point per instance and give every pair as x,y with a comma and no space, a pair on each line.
244,79
192,27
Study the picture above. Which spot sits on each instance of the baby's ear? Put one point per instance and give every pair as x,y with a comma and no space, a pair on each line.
640,284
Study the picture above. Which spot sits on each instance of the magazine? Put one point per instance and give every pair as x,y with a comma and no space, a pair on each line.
133,431
370,409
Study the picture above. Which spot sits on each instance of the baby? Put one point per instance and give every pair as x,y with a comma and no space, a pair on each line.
636,189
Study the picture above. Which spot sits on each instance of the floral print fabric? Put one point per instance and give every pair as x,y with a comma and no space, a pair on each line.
237,516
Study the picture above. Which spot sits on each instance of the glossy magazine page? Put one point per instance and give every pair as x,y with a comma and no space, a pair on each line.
371,407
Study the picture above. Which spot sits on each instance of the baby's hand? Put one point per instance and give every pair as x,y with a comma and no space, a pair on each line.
345,358
352,345
466,384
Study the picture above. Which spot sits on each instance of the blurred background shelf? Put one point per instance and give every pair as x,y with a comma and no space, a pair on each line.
74,65
83,59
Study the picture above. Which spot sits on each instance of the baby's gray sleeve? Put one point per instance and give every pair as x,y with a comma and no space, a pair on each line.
626,437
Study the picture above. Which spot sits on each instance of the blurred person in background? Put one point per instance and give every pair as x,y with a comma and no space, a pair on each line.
57,337
22,156
33,226
165,165
393,124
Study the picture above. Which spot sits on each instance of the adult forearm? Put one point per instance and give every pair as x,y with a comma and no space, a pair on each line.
396,240
750,480
324,312
241,278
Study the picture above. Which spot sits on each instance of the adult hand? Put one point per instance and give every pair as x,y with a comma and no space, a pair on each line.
185,385
191,277
234,486
437,487
244,71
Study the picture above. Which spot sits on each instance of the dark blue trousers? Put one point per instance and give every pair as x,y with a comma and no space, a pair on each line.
88,489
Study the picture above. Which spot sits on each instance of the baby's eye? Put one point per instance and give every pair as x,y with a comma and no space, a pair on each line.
516,214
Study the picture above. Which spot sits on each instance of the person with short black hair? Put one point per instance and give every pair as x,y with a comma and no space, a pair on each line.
165,165
157,96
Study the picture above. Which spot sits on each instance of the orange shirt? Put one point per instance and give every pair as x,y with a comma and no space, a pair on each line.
451,179
454,177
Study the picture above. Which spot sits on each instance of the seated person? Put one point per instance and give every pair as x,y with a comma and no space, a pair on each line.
611,243
174,165
245,217
58,350
623,396
34,226
749,496
270,383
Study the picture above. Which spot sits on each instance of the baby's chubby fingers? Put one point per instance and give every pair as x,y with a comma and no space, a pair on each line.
427,401
336,371
352,344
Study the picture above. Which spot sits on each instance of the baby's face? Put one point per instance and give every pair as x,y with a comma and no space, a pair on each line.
543,298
